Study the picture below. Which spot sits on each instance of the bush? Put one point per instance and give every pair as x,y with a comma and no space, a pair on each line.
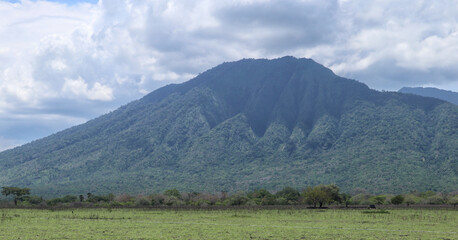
238,199
54,202
69,199
362,199
34,200
436,199
281,201
173,201
157,199
453,200
411,199
101,198
173,193
289,193
378,199
262,197
124,198
142,202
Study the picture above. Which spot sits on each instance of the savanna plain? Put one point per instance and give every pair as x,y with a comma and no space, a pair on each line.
109,223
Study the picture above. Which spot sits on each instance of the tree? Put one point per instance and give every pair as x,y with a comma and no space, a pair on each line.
314,195
333,191
453,200
238,199
436,199
321,194
398,199
262,197
17,192
345,198
290,194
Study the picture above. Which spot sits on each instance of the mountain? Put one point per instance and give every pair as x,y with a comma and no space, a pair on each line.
449,96
245,125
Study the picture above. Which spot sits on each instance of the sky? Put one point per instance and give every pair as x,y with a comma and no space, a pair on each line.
64,62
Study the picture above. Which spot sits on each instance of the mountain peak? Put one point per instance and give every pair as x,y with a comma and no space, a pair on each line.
282,89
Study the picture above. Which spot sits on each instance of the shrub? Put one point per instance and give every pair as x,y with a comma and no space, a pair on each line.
173,193
101,198
33,199
238,199
157,199
378,199
281,201
436,199
289,193
262,197
142,202
411,199
172,201
453,200
69,199
54,202
124,198
362,199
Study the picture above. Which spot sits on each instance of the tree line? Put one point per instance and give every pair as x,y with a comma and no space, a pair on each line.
317,197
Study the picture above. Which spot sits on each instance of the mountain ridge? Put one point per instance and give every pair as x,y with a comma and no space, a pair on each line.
445,95
249,124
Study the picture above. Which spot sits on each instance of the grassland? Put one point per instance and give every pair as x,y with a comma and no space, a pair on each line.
228,224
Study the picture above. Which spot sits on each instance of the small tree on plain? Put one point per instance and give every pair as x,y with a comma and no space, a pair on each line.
398,199
321,194
345,198
17,192
314,196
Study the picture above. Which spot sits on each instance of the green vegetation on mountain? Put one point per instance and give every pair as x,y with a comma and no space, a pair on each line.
245,125
449,96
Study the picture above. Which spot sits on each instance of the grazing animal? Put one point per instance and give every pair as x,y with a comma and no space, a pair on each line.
371,207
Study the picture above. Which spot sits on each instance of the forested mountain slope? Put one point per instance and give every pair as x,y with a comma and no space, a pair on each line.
250,124
445,95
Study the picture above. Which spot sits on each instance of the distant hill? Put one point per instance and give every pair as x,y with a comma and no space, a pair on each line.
445,95
245,125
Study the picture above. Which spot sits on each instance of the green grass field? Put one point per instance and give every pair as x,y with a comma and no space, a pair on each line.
228,224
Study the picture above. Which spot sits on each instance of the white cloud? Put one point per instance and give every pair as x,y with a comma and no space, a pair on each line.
100,92
390,44
58,65
79,88
100,56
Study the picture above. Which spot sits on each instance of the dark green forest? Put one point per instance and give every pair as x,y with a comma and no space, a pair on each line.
248,125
